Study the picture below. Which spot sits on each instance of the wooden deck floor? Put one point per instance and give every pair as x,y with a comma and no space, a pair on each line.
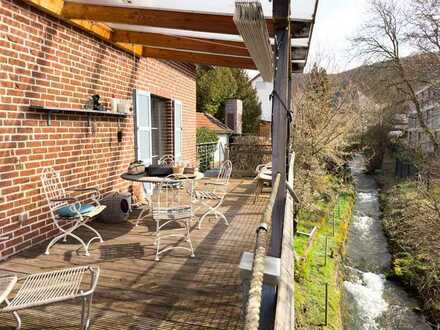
135,292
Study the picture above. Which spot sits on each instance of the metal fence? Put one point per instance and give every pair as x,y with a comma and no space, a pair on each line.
404,170
210,155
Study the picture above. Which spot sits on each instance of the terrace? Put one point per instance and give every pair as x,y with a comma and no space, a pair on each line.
146,51
136,292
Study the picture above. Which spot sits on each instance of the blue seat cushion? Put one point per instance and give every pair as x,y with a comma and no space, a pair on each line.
67,212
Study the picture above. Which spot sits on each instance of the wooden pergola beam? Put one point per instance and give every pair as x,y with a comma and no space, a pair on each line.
202,22
178,42
297,67
199,58
102,31
215,46
299,53
92,18
213,23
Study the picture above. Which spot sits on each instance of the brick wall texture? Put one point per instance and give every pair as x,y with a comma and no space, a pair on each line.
47,62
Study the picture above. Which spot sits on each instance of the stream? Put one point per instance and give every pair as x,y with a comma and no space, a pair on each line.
370,300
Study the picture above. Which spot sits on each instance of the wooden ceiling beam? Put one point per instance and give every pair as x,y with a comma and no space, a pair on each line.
180,42
299,53
102,31
298,67
202,22
199,58
151,17
300,28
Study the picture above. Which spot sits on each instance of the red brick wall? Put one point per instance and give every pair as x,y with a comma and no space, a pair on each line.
48,62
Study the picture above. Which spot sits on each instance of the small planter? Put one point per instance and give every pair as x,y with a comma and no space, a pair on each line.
178,169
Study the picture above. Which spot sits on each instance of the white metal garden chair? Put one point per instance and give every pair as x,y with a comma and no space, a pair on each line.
42,289
167,160
172,203
214,191
67,208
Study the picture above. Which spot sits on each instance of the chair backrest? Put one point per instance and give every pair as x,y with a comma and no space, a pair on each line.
262,167
167,161
52,188
172,196
225,174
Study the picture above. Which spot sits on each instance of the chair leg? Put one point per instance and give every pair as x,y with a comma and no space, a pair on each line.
157,243
95,231
18,319
82,243
53,241
85,312
16,316
258,190
221,215
188,237
213,210
141,215
208,212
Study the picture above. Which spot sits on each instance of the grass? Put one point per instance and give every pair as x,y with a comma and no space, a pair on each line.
312,273
413,232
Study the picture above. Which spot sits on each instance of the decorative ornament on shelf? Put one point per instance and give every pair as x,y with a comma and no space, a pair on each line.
93,103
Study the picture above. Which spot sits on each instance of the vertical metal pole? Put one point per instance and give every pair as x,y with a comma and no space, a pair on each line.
334,222
326,305
326,248
339,210
280,117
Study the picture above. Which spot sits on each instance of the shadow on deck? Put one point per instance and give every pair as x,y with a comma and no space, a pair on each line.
135,292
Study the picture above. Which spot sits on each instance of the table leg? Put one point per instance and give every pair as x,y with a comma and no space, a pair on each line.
258,189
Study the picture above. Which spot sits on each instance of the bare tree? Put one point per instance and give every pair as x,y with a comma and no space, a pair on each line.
325,116
380,40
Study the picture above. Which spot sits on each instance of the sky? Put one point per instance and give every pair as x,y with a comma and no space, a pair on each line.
336,22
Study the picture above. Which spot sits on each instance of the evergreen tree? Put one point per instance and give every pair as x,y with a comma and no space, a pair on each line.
216,85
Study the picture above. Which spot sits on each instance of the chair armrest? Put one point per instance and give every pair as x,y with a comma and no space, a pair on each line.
70,199
95,190
214,183
86,189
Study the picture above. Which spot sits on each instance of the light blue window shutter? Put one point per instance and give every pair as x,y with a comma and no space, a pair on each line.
178,130
142,105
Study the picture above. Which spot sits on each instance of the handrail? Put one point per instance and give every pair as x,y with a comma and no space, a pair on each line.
256,286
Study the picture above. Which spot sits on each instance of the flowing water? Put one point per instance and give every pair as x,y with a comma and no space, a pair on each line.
371,302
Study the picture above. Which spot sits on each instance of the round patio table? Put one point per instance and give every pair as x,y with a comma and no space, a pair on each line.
145,207
158,179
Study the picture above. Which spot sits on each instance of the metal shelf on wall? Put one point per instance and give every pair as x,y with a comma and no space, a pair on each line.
88,113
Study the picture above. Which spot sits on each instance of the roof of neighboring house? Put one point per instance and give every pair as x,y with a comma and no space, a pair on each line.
206,120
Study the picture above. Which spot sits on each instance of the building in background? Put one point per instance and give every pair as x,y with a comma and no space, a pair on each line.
264,90
430,103
205,120
234,115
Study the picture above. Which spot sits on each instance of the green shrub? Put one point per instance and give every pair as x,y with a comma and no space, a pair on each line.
205,154
205,135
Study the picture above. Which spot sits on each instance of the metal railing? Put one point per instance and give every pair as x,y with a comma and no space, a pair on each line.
284,315
210,155
256,286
